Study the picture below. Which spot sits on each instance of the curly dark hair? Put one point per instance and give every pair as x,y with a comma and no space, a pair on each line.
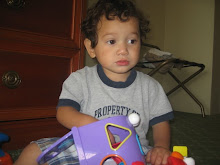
123,9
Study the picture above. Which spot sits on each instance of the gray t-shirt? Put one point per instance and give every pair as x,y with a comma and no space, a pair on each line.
91,92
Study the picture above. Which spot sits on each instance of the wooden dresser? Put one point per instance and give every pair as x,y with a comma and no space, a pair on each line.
40,45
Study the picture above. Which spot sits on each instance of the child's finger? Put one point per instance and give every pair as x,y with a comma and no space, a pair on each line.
165,159
153,157
148,156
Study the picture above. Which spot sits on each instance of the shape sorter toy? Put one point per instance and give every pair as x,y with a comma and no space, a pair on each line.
94,146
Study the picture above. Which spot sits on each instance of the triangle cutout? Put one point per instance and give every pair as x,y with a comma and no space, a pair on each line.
120,133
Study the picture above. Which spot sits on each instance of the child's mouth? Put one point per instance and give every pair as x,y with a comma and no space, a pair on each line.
122,62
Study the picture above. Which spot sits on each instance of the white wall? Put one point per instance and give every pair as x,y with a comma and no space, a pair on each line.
189,31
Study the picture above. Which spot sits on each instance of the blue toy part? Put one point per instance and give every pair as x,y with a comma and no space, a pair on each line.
3,138
139,144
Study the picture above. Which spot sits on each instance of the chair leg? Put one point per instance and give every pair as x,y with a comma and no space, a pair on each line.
181,84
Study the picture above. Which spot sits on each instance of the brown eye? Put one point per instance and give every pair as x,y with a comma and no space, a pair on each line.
131,41
111,42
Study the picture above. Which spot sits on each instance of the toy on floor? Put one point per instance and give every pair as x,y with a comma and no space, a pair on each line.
179,157
94,146
5,158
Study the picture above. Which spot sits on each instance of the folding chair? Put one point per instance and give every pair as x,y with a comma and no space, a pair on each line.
175,62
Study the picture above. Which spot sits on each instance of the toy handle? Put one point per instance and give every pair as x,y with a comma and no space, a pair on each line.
56,148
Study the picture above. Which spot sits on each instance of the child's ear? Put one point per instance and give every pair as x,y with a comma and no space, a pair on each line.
90,50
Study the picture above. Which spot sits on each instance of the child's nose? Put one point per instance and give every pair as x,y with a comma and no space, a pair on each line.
122,49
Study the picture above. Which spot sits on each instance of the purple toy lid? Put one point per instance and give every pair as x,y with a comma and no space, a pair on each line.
56,148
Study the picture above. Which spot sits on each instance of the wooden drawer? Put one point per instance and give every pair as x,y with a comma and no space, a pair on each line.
41,82
22,133
40,17
42,43
52,22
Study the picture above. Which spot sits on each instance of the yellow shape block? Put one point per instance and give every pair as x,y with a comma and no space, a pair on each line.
181,149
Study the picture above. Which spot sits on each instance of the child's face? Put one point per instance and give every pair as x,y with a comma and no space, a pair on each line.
118,47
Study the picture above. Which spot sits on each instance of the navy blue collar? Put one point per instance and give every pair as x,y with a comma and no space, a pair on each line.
131,78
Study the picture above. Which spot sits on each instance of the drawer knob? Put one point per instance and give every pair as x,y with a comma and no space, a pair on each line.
15,3
11,79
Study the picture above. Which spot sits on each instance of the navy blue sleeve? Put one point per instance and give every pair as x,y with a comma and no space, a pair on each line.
165,117
68,102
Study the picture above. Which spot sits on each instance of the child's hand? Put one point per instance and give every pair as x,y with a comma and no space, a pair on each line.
158,156
111,137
